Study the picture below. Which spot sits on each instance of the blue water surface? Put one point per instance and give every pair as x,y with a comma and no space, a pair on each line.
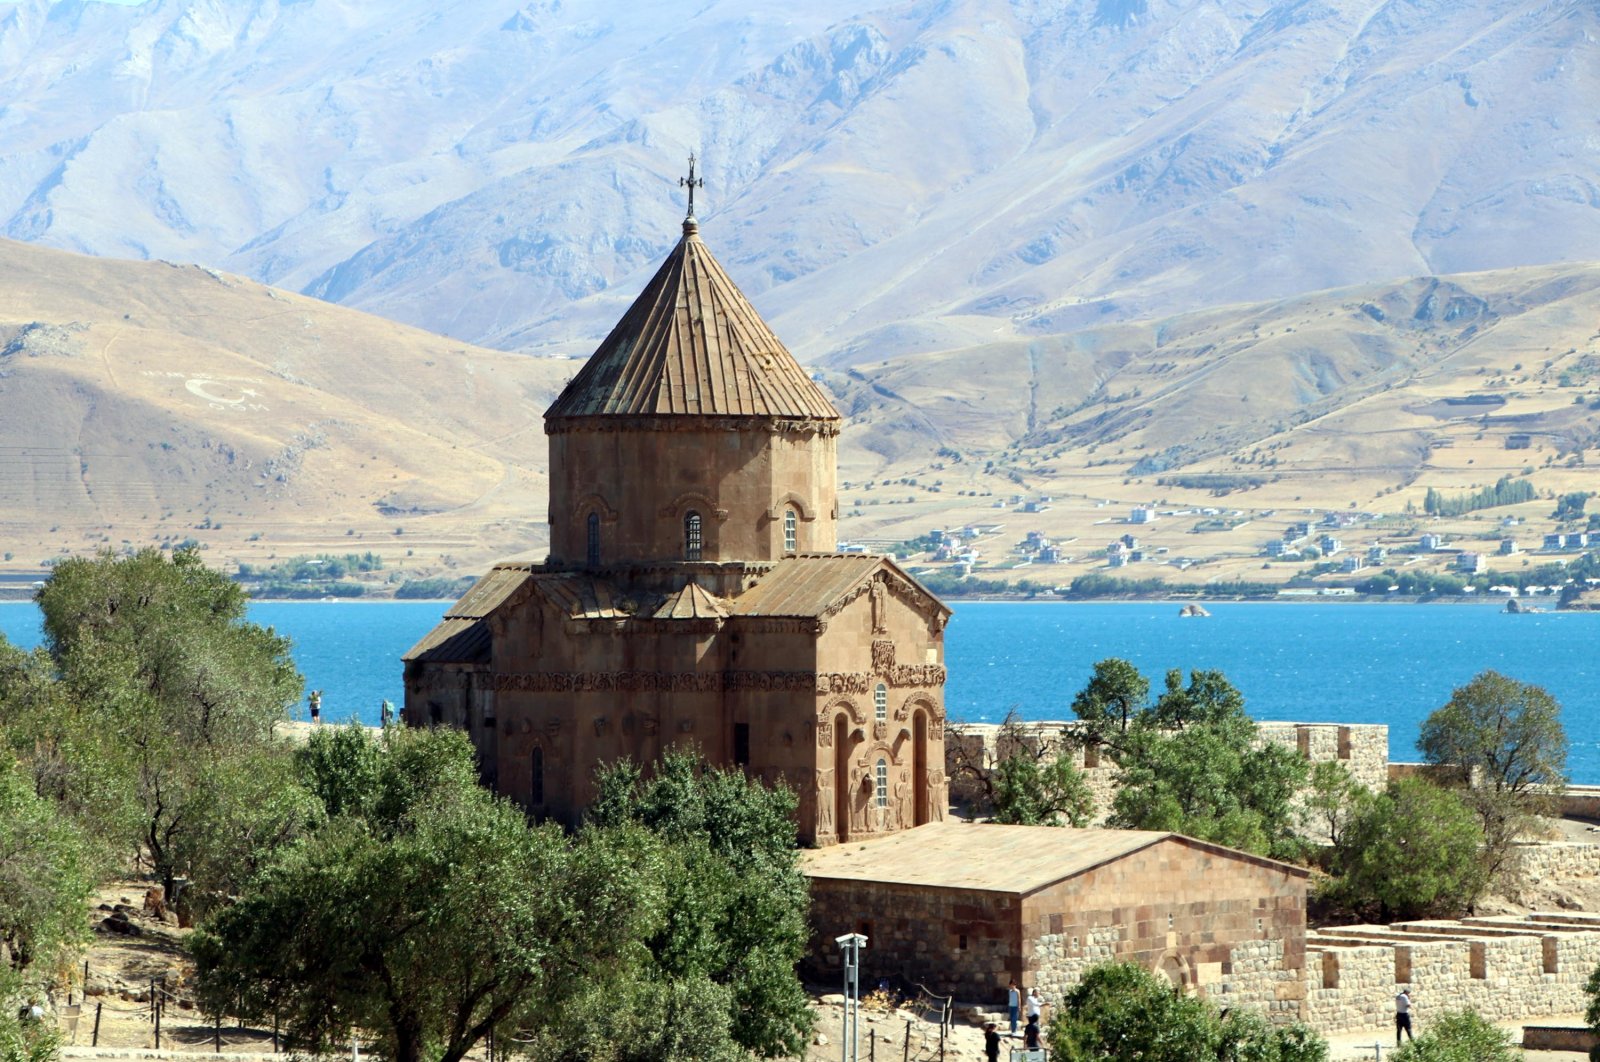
1335,663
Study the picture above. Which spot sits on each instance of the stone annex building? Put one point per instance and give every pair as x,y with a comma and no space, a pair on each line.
693,593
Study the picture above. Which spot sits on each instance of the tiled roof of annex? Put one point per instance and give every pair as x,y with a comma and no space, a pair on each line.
991,858
692,345
807,584
460,637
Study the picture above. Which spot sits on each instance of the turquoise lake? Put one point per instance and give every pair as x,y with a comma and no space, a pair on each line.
1344,663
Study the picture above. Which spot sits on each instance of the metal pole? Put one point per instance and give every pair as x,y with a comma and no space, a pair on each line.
907,1053
274,1032
216,1034
872,1045
95,1041
155,1004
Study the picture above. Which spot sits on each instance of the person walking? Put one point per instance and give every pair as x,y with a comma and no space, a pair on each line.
1402,1015
991,1043
1035,1004
1014,1005
1033,1036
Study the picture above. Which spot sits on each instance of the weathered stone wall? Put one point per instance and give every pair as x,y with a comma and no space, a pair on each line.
1542,862
973,749
955,941
1351,987
1225,926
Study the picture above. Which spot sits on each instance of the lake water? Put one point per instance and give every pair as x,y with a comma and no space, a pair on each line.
1335,663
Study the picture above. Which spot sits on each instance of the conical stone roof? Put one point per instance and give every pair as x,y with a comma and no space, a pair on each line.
692,345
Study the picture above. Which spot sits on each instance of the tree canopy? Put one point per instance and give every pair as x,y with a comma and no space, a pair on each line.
1120,1010
1031,780
154,654
427,914
1459,1036
1413,851
1507,737
1191,762
736,922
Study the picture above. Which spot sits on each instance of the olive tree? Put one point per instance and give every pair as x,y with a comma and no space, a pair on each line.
156,654
1191,761
1507,739
1413,851
431,920
1120,1010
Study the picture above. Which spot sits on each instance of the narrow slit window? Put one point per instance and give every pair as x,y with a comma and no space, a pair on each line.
883,782
536,770
741,744
880,702
691,536
592,550
788,531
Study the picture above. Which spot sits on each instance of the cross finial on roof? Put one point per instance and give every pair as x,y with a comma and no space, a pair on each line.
691,182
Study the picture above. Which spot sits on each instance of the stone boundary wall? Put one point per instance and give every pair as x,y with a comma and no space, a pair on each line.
1351,984
1558,860
972,750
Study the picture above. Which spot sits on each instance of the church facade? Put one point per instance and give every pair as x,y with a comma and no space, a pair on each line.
693,594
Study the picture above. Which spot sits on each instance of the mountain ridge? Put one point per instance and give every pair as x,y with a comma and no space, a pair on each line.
933,174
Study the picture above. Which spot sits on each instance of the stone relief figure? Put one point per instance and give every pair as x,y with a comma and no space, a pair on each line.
824,798
880,601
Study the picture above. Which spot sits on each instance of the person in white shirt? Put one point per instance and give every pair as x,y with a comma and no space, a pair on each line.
1402,1015
1034,1002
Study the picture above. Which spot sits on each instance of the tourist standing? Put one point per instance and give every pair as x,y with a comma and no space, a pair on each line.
1402,1015
1035,1004
991,1043
316,706
1031,1038
1014,1005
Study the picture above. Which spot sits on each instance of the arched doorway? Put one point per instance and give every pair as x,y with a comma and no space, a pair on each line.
841,776
919,767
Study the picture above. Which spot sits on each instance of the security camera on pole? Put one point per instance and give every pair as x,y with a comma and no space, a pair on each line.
850,1047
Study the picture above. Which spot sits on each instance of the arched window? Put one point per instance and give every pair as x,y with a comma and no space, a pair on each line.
592,551
880,702
882,773
536,770
691,536
788,531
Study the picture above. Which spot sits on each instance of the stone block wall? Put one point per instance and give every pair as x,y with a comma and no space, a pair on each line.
960,942
1351,985
1229,928
973,749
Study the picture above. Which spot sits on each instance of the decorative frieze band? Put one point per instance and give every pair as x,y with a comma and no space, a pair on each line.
826,682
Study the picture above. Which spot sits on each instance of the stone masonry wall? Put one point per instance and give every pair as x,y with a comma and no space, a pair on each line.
1352,988
1229,928
961,942
973,749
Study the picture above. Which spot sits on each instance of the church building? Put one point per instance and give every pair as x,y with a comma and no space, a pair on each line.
693,594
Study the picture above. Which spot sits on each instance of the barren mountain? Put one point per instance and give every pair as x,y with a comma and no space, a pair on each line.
884,177
143,402
148,402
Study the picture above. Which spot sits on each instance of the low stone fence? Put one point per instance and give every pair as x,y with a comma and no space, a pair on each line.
1505,969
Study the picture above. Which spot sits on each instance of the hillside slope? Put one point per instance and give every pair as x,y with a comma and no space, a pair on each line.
142,402
147,402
